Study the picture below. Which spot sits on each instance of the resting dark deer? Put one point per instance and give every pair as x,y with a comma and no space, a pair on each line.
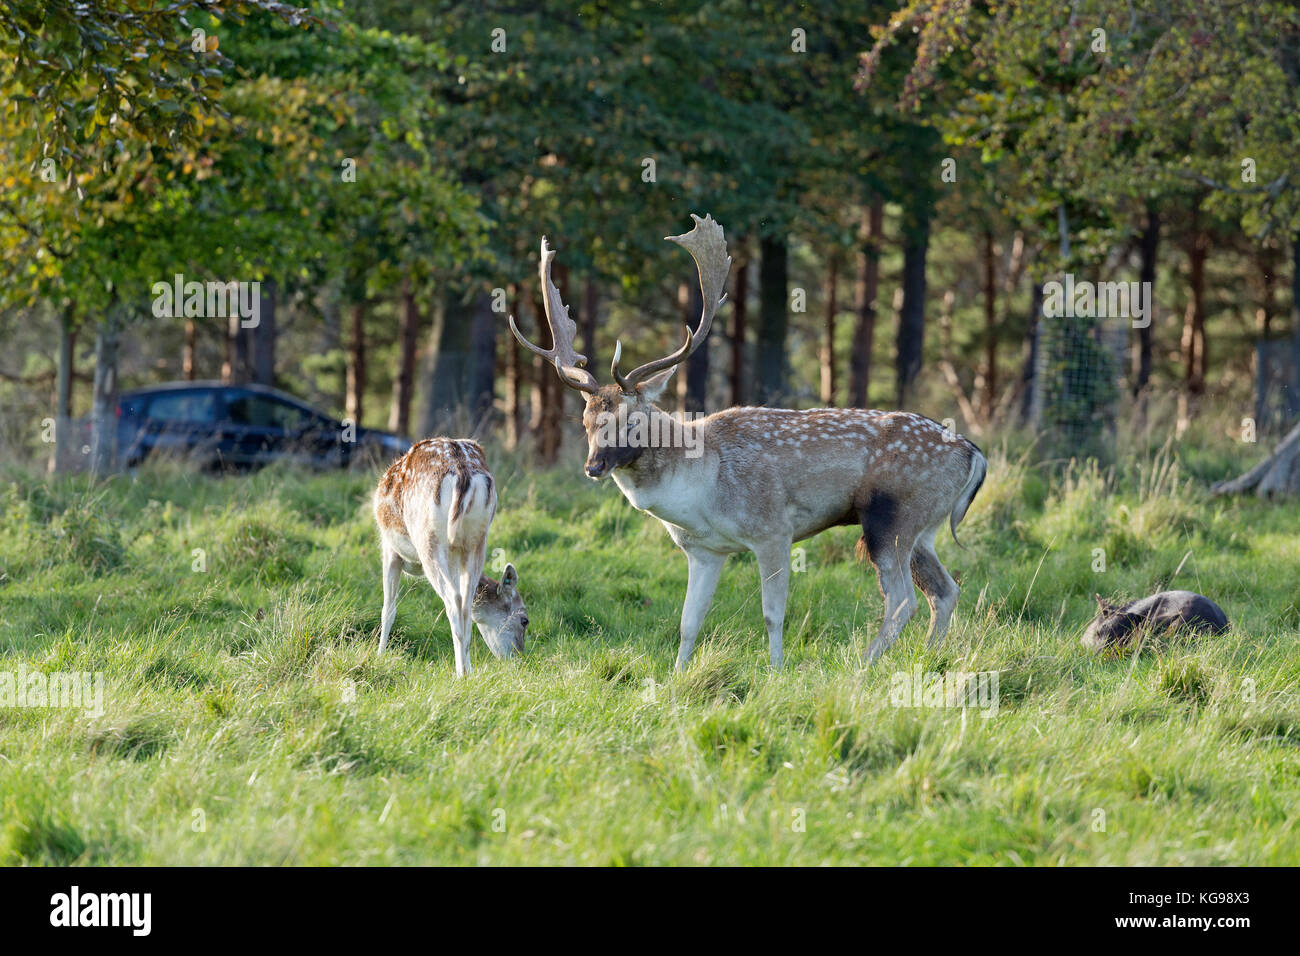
1116,625
759,479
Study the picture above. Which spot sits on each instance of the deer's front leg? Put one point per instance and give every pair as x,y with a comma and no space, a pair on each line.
774,571
703,569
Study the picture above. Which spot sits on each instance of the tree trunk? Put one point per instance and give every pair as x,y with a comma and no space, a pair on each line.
514,372
189,367
103,407
590,306
61,453
235,370
483,362
739,316
828,346
773,319
1263,330
1029,372
868,286
696,396
262,338
1293,393
1193,342
408,343
911,319
447,366
549,411
330,301
990,372
1150,248
354,401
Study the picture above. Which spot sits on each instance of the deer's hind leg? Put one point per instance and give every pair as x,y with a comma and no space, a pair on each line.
889,543
940,590
438,568
392,570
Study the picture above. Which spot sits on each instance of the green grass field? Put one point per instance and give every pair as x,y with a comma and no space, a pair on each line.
248,720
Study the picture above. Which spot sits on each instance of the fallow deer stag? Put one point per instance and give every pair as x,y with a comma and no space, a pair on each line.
434,507
759,479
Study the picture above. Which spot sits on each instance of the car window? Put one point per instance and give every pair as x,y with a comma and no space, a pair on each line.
263,412
194,407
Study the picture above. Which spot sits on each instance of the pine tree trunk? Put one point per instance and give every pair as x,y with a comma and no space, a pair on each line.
61,452
445,394
1193,339
549,414
1150,249
235,369
590,308
773,319
868,287
103,408
189,359
1263,330
1293,393
696,396
828,344
262,338
483,362
911,318
354,401
1029,371
514,374
739,318
408,339
990,372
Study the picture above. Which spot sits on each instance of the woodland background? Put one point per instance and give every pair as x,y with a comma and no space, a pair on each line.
386,171
248,718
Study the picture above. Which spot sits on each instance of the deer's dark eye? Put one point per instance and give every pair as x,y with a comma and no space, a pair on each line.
524,620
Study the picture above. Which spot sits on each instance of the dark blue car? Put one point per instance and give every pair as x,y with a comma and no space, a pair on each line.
239,427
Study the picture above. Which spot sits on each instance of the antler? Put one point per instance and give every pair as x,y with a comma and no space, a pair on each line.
570,365
708,247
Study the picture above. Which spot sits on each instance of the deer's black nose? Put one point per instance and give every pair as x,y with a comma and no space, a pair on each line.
595,469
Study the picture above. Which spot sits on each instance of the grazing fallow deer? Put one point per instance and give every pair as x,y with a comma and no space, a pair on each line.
759,479
434,507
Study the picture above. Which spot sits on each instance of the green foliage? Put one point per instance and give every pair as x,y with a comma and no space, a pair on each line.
1098,102
92,71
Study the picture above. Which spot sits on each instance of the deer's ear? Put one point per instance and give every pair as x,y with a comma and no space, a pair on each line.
1104,606
654,386
509,580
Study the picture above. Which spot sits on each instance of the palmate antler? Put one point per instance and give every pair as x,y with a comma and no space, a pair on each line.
570,365
708,247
